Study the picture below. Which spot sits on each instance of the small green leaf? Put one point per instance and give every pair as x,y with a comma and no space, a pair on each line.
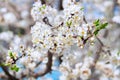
69,23
96,32
15,68
99,26
103,25
82,8
11,54
41,8
97,22
118,53
4,64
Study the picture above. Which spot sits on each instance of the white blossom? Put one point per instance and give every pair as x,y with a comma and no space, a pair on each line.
8,16
7,36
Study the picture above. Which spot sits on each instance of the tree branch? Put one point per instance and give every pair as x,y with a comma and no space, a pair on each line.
96,57
8,74
61,5
47,70
6,71
48,65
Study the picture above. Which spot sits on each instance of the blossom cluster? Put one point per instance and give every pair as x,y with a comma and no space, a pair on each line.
55,30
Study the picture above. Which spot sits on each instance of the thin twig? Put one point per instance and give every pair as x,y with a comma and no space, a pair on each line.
96,57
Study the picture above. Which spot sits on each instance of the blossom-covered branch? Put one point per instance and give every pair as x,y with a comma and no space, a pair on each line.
63,34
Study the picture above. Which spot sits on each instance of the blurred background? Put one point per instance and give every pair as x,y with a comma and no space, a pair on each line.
16,22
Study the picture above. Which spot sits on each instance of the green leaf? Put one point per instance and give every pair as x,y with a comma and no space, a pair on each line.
82,8
4,64
69,23
99,26
97,22
96,32
15,68
118,53
42,8
11,54
103,25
